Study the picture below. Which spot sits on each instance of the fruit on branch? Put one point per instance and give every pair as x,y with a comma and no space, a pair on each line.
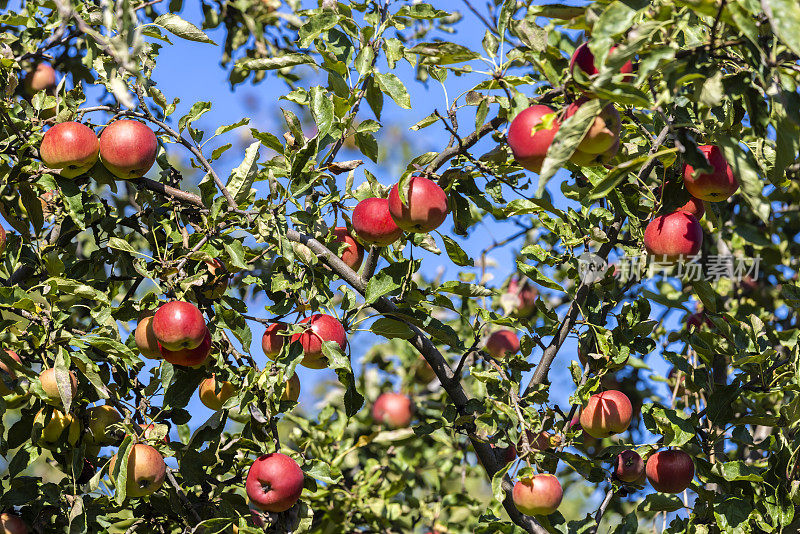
694,205
145,338
603,134
538,494
530,135
214,394
5,390
425,208
47,378
151,432
71,147
12,524
502,343
41,78
146,470
319,328
585,159
128,148
272,340
673,235
189,357
98,420
393,410
53,429
3,239
179,325
670,471
373,224
522,298
292,390
715,186
583,59
629,467
217,279
606,414
353,253
274,482
422,371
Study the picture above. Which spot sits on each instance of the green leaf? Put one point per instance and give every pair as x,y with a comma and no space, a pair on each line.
121,244
391,85
391,328
738,471
660,502
676,427
784,16
186,30
240,182
119,475
464,289
315,25
322,110
746,171
456,253
279,62
339,362
443,53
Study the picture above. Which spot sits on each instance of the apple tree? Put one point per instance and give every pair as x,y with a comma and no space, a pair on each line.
637,160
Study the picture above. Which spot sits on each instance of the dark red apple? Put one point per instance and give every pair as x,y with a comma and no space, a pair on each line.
606,414
5,390
373,224
71,147
179,325
274,482
502,343
425,208
41,78
538,494
393,409
128,148
670,471
189,357
3,239
319,328
12,524
673,235
272,340
584,60
716,186
353,254
146,470
629,466
530,135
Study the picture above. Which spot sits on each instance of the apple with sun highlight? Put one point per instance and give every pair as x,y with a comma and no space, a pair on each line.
606,414
716,186
530,135
353,254
538,494
318,329
373,224
179,325
70,147
393,410
274,482
425,208
128,148
673,235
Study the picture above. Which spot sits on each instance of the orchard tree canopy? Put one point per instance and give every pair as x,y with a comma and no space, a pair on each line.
563,300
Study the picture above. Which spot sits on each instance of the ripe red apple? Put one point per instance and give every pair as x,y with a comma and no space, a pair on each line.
320,328
584,60
373,224
274,482
292,390
538,494
146,339
272,340
502,343
670,471
146,470
179,325
353,254
217,280
12,524
214,394
128,148
606,414
3,239
425,208
99,419
48,380
530,135
5,390
393,410
673,235
71,147
716,186
189,357
524,297
604,132
629,466
41,78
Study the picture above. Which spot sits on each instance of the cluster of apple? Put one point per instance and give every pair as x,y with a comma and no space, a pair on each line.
176,332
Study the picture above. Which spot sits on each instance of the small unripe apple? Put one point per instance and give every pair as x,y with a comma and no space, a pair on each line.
530,135
274,482
393,409
353,254
48,380
128,148
319,328
603,134
629,466
292,390
12,524
585,159
189,357
3,239
71,147
146,339
179,325
373,224
55,427
502,343
99,419
670,471
146,470
538,494
673,235
583,59
214,394
5,390
606,414
716,186
272,340
425,208
41,78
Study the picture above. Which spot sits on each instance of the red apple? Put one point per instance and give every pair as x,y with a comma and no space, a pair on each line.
584,60
393,410
48,380
179,325
525,297
629,466
502,343
274,482
188,357
425,208
99,419
694,206
146,470
272,340
214,394
5,390
42,78
673,235
292,390
606,414
320,328
373,224
128,148
12,524
71,147
604,132
146,339
353,254
538,494
670,471
3,239
716,186
530,135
